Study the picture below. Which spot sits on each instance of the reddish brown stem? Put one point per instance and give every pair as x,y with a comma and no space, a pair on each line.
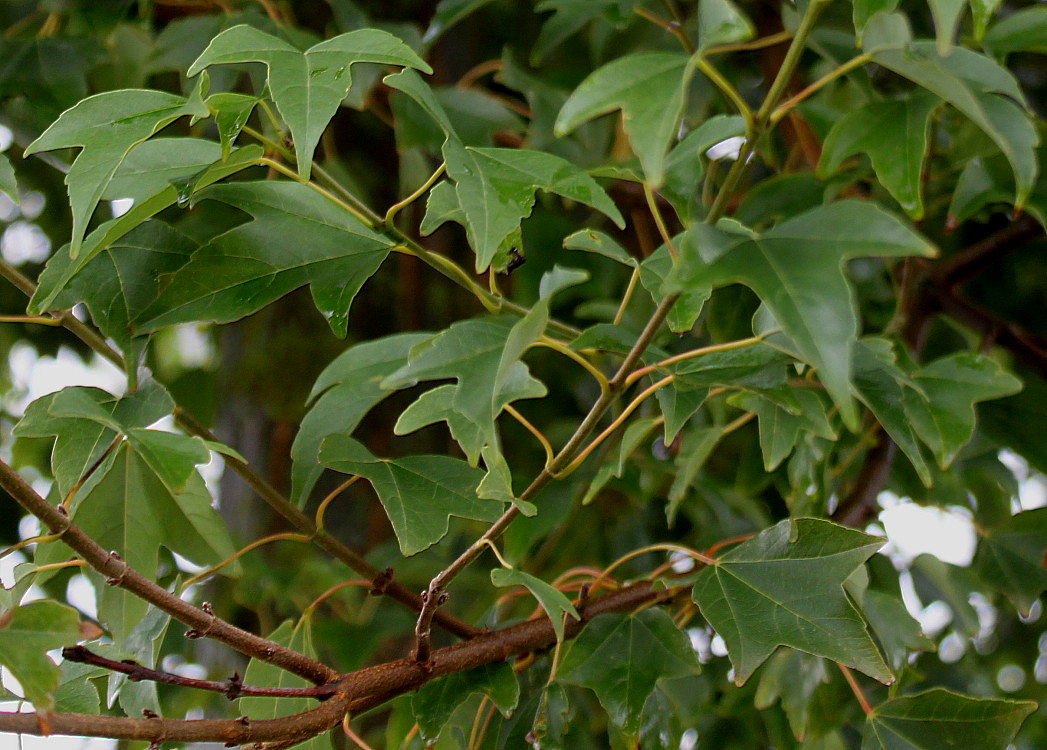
232,688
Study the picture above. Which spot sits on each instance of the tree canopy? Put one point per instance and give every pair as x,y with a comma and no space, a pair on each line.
491,374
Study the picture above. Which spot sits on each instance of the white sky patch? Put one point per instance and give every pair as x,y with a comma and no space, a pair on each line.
25,242
34,376
121,206
6,138
195,346
912,530
726,149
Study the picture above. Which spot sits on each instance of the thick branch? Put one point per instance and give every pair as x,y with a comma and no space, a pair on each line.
118,573
974,259
292,729
356,691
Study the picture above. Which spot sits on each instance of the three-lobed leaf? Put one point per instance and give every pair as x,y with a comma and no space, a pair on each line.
107,126
894,134
345,391
784,587
419,493
1010,557
308,86
622,658
796,268
495,187
553,601
650,90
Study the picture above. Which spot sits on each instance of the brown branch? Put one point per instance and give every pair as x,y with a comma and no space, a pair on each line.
354,692
295,728
1027,348
974,259
232,688
202,621
255,481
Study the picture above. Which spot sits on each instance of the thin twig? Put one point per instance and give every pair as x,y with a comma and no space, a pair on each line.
232,688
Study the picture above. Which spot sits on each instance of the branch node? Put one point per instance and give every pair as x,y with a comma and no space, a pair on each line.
134,675
381,582
77,654
150,714
193,634
234,687
116,580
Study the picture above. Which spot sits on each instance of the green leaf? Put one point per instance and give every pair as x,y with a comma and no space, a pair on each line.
419,493
650,89
26,634
483,356
345,391
972,83
632,437
894,135
946,15
898,632
159,163
622,657
121,281
299,637
794,679
722,22
307,87
936,580
62,267
593,241
85,421
939,718
882,387
8,183
864,10
568,18
780,430
107,126
436,700
231,112
173,458
125,506
796,268
1024,30
698,446
785,588
555,604
758,367
1010,557
654,271
953,385
496,187
253,264
448,13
